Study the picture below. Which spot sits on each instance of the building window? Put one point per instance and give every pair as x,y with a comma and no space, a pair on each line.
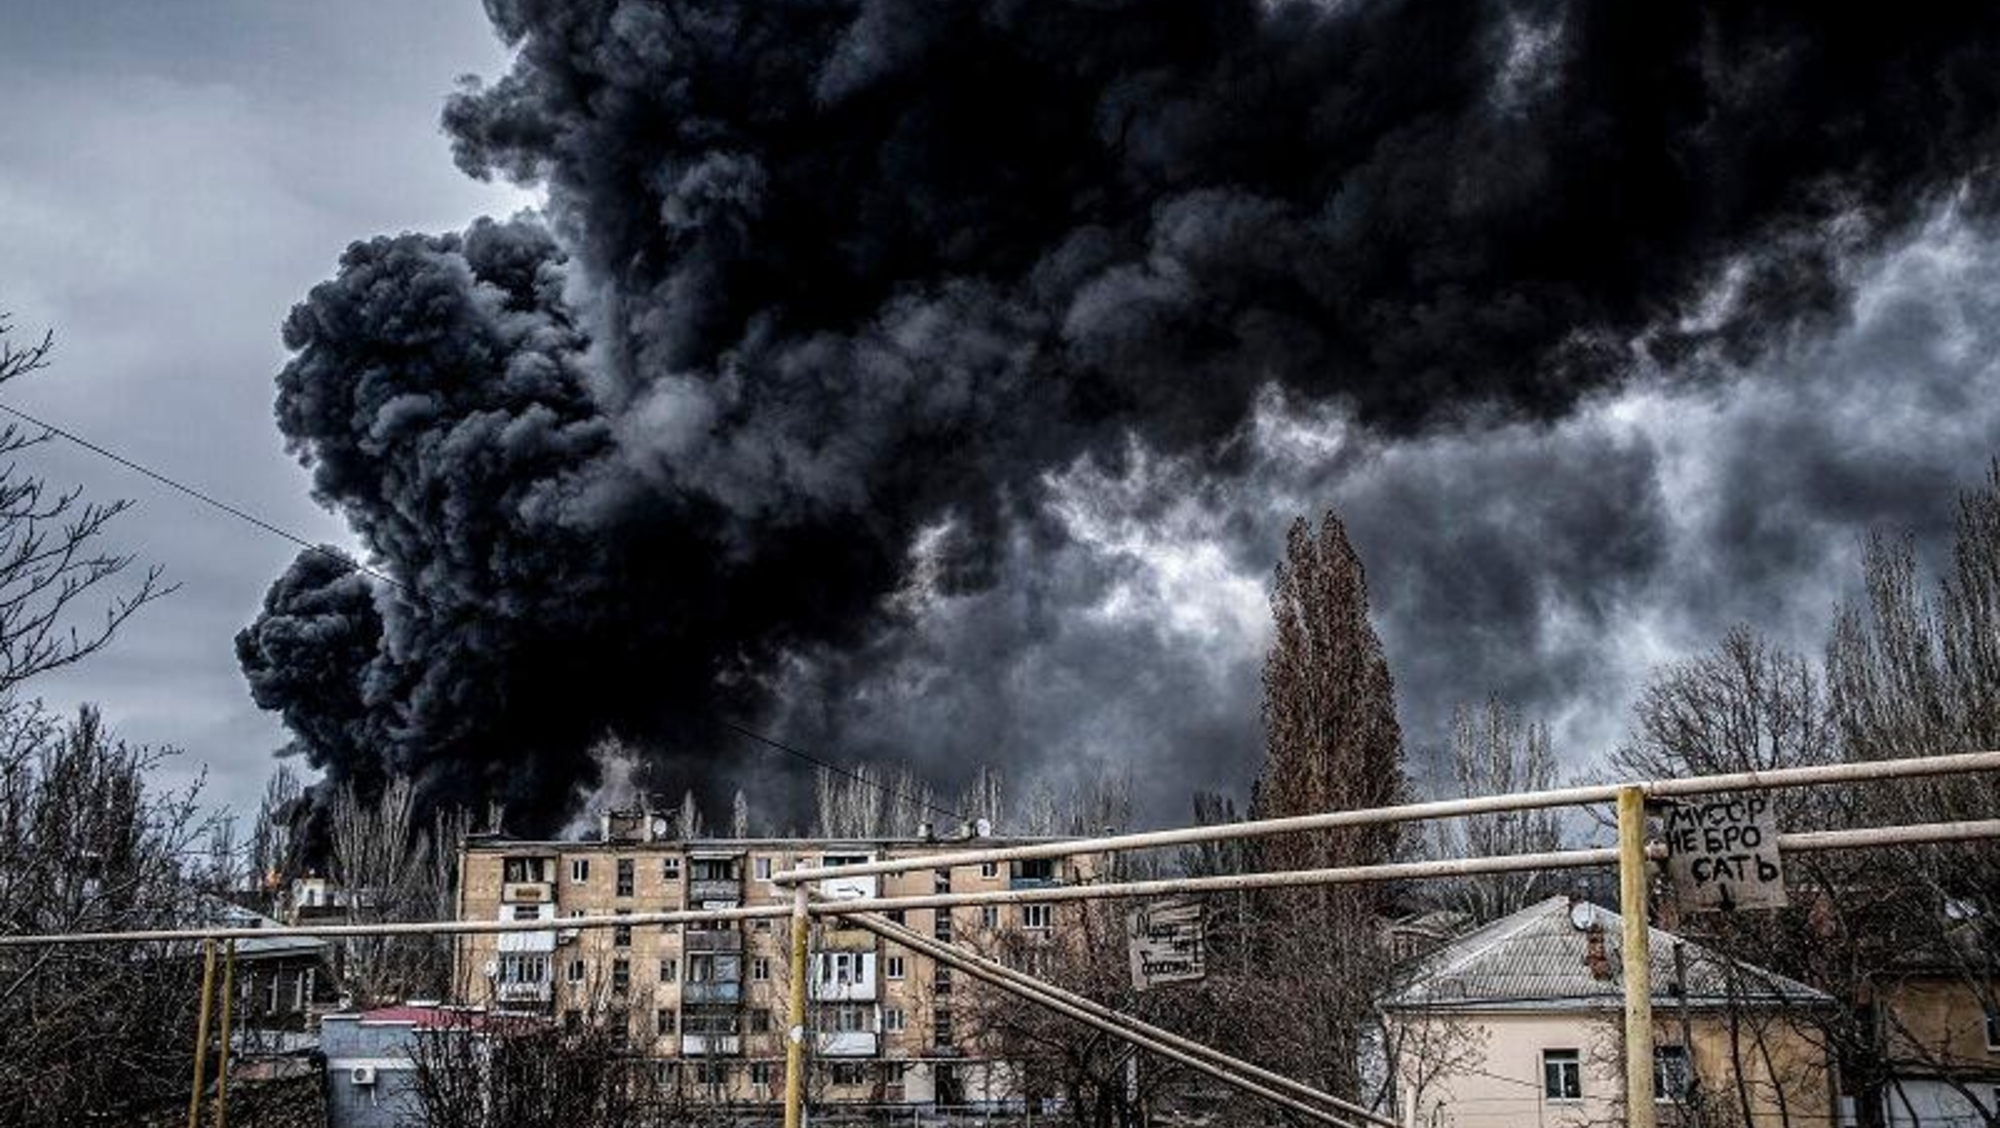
1035,869
760,1022
1672,1082
1562,1075
522,870
575,971
893,1019
850,1073
763,869
893,967
1038,918
579,870
670,868
1993,1033
760,968
527,912
761,925
670,969
941,928
528,968
621,934
895,916
760,1073
989,869
664,1020
624,877
844,1020
621,976
941,982
711,1072
572,1019
941,1028
989,916
941,881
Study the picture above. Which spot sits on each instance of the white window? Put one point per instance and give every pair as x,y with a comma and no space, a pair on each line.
989,916
989,869
576,971
670,869
579,870
760,969
893,1019
670,969
1037,916
893,967
763,869
1562,1075
1671,1079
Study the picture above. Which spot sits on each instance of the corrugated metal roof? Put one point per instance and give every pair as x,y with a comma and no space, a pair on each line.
1539,959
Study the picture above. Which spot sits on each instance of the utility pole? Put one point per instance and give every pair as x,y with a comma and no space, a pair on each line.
222,1067
201,1033
795,1015
1637,953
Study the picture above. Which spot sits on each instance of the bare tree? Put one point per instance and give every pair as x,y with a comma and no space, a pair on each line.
1493,751
739,815
274,841
1332,743
49,563
390,866
88,844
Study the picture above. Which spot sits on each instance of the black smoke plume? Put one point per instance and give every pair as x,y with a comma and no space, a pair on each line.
827,290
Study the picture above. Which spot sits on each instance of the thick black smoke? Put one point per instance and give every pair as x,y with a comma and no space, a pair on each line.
825,281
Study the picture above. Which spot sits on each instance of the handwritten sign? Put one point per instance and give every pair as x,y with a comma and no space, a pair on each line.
1166,944
1722,854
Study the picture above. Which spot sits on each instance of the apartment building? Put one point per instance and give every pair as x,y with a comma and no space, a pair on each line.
707,1001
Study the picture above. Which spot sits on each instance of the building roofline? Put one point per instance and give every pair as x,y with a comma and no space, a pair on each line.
724,845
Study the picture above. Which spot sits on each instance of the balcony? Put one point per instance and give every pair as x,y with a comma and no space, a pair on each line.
853,1043
726,892
711,1045
728,991
527,893
836,938
720,940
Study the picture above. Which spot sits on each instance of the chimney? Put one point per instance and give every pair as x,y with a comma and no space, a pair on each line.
1594,956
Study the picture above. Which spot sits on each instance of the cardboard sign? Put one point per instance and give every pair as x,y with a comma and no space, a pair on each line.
1722,854
1166,943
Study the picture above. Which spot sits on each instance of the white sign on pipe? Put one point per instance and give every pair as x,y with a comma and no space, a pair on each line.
1166,943
1722,854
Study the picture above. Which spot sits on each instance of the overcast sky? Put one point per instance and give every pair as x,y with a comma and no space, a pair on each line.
174,176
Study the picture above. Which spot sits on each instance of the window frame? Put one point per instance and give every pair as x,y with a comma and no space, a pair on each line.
1564,1063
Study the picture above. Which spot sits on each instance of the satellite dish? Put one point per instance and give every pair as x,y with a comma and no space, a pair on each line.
983,828
659,828
1582,915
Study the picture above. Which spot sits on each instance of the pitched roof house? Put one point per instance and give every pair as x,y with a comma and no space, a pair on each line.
1519,1022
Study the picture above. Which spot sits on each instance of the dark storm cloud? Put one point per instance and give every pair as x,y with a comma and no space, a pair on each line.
829,280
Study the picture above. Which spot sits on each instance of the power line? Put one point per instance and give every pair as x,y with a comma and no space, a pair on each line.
206,499
252,519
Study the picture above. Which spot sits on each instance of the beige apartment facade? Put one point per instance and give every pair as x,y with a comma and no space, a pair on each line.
707,1002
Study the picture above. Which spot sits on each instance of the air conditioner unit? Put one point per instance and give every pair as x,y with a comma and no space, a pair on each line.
362,1075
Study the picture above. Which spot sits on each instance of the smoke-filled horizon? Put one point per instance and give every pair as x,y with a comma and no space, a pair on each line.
931,381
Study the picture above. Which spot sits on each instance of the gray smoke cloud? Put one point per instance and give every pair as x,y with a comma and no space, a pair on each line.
866,343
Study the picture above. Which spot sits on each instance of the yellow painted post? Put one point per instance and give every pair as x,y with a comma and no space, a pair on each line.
201,1033
1636,953
222,1067
795,1015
